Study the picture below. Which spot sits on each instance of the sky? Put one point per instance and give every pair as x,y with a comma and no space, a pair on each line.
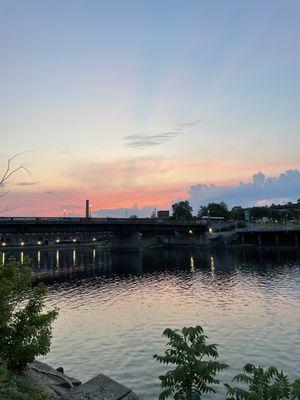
138,104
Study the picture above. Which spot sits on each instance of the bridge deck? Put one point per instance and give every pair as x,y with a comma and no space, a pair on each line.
18,225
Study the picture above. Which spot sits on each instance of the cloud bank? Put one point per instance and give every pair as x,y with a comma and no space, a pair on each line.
261,190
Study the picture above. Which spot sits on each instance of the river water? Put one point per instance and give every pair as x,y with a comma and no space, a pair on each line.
113,308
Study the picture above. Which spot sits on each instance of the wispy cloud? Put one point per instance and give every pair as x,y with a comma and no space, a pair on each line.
190,124
143,140
26,183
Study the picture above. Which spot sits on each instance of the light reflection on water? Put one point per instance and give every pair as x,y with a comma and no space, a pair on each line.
114,307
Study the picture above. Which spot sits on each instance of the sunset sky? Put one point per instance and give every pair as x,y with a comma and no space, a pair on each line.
136,104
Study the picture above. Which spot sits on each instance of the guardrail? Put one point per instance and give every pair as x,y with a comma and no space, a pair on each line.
108,220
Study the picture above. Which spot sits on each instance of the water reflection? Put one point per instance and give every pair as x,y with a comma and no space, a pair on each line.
74,258
60,261
39,258
57,258
192,263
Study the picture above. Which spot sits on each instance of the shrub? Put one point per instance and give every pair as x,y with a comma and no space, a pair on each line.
15,387
25,332
240,223
263,384
193,374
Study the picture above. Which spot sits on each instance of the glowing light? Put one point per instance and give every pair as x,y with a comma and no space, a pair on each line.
210,230
74,240
57,241
190,232
3,258
94,239
3,244
39,242
22,257
22,243
39,258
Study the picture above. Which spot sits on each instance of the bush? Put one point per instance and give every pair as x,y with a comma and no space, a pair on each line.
240,223
15,387
263,384
25,332
193,375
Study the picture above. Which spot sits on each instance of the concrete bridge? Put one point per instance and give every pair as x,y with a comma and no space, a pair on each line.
271,236
124,232
260,236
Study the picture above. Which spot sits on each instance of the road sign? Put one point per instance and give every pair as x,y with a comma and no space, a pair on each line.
247,215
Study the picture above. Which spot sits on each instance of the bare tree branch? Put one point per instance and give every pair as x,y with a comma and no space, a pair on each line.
10,171
5,210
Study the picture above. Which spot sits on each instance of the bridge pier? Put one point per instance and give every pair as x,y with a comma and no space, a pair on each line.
243,239
126,241
259,241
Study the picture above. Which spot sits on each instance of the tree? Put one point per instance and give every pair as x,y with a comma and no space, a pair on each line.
182,211
214,210
263,384
259,212
194,371
25,331
10,170
237,213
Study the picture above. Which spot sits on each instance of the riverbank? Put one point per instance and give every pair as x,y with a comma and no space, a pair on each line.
53,384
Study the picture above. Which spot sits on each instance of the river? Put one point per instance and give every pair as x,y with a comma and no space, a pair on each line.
113,308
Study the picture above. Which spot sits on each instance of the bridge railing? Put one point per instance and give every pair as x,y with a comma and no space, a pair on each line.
103,220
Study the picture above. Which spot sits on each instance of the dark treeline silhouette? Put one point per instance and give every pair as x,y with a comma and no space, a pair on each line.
289,212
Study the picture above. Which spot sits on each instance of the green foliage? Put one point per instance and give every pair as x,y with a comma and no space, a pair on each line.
15,387
214,210
182,211
25,332
263,384
237,213
240,223
194,371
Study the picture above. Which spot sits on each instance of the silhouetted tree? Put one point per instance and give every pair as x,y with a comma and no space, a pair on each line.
237,213
182,211
214,210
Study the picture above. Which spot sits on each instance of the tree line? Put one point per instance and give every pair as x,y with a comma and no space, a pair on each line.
183,211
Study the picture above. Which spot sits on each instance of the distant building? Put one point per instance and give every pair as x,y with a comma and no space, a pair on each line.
163,215
287,206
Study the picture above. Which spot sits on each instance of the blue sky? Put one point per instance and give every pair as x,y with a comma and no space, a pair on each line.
78,78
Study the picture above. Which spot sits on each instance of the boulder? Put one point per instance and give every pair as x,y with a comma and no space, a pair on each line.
101,387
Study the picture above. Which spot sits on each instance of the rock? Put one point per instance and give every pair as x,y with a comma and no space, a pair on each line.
45,378
60,369
101,388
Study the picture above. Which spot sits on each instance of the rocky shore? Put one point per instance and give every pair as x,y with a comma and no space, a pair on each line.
57,385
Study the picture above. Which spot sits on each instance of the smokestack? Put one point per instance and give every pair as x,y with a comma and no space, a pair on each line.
87,209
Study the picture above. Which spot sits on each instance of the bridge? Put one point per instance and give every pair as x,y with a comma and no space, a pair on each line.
125,232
